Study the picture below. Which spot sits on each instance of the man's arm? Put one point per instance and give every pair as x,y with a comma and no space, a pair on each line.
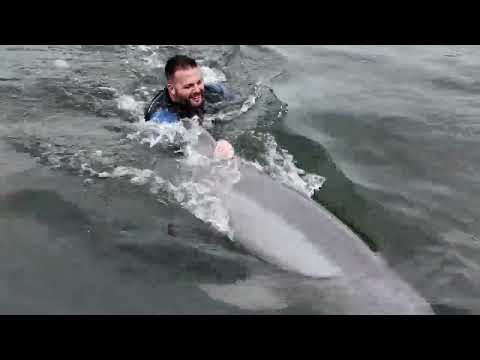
156,110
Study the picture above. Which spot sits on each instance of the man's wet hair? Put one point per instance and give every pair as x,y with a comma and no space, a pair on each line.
178,62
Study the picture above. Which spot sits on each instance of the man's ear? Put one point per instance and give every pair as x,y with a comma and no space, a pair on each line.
171,90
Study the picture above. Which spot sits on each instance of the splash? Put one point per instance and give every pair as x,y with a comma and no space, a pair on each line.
212,76
202,182
279,164
199,186
225,116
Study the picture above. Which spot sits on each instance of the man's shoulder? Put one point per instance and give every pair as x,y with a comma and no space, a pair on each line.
157,103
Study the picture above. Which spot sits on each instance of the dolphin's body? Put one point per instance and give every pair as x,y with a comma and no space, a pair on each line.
297,234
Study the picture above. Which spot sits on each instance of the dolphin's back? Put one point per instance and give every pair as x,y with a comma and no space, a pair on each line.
294,232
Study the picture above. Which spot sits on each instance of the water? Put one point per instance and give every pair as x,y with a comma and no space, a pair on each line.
401,124
100,215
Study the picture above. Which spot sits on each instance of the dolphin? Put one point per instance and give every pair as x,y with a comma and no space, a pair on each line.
291,231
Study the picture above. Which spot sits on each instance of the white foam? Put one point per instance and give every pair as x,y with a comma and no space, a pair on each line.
280,165
229,115
252,99
163,134
199,197
203,192
205,181
212,76
202,183
141,176
61,64
104,175
86,168
129,104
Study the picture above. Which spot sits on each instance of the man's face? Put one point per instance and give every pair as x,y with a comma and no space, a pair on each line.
186,87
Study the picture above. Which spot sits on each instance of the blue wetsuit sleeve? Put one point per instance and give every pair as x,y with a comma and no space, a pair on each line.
163,116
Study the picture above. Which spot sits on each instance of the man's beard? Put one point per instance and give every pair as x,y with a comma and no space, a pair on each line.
186,102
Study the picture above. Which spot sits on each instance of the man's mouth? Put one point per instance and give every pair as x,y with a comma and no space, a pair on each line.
197,98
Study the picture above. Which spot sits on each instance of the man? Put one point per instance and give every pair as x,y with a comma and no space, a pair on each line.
185,95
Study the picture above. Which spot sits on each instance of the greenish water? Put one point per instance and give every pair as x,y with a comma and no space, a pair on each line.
393,129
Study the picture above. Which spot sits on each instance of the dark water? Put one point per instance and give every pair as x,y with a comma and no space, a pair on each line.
392,129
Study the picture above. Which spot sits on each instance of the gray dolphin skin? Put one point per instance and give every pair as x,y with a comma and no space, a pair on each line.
293,232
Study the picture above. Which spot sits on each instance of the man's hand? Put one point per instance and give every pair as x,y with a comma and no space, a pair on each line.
223,150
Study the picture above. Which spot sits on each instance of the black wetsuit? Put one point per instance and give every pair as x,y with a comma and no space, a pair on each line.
163,110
